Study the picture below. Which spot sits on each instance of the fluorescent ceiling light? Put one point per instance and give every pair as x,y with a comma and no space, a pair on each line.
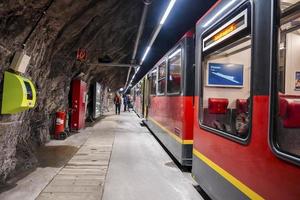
146,53
167,12
137,69
218,13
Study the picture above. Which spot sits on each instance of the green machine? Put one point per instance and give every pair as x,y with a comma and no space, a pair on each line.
19,94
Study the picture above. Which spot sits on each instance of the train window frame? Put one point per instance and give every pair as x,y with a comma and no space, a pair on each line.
216,26
284,18
161,79
179,47
153,71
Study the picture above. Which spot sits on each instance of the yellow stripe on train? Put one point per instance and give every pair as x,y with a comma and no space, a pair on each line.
238,184
173,135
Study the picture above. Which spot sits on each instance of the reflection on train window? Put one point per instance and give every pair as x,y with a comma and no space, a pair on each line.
225,104
285,4
161,82
287,126
153,82
174,72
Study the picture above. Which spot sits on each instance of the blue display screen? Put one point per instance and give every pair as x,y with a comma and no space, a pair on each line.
225,75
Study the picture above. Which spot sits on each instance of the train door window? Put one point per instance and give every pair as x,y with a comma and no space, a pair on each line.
174,72
226,78
161,81
285,137
153,82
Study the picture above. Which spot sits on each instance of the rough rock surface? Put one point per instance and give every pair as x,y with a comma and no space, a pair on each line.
106,28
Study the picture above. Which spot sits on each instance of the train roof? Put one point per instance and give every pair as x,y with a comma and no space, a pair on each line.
188,34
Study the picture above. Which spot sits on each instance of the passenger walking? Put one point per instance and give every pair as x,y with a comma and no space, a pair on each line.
117,102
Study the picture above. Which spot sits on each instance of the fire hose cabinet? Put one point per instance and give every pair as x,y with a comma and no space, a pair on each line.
19,94
78,94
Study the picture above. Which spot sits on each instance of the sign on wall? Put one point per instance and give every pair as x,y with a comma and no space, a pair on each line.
97,100
81,54
225,75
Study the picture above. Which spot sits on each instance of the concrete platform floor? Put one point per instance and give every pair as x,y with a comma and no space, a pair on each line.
117,159
141,169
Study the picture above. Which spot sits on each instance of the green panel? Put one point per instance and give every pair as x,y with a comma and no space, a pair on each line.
19,94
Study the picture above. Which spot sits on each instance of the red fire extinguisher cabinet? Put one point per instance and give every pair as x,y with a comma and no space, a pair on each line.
60,122
78,104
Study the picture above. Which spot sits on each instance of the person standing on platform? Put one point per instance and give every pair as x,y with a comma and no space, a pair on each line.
117,102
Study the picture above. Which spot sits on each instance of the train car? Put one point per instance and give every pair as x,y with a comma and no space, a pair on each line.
170,104
247,100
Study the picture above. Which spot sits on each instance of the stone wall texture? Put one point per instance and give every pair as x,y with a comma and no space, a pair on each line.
106,28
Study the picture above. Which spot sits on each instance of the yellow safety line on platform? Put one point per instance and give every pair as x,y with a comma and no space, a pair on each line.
238,184
173,135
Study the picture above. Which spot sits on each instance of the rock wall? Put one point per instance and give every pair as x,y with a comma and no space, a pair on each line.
106,28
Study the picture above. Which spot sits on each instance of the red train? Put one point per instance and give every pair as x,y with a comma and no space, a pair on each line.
169,99
241,113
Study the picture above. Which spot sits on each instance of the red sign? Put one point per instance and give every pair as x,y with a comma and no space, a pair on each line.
81,54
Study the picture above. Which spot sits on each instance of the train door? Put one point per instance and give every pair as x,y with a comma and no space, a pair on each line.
143,90
285,104
145,93
152,82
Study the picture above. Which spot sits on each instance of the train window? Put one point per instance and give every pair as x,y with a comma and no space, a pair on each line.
174,73
153,82
285,136
226,80
161,81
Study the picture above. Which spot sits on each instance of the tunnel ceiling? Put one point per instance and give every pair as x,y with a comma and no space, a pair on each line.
105,28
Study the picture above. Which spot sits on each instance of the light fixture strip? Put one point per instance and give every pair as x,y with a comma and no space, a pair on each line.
155,34
167,12
146,53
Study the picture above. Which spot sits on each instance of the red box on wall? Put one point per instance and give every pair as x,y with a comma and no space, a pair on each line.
78,104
